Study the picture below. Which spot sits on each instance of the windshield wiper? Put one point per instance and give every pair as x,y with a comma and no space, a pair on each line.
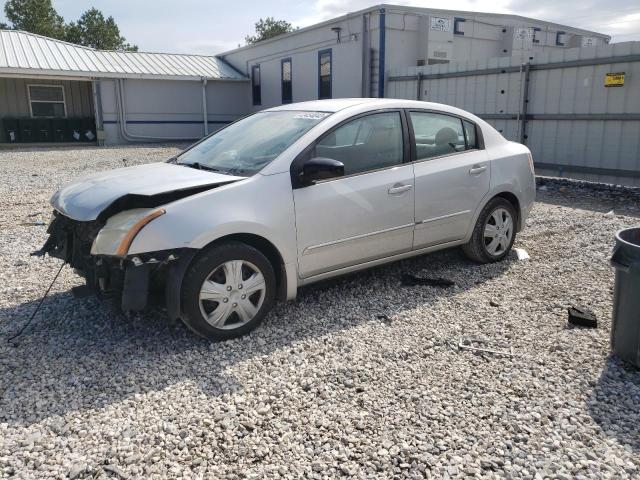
200,166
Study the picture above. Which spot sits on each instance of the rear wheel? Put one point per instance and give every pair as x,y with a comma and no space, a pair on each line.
494,232
228,291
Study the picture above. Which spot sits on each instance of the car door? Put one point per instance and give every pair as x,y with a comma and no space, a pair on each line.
452,175
368,212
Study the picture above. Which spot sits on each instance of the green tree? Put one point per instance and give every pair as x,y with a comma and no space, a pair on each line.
93,30
35,16
268,28
4,26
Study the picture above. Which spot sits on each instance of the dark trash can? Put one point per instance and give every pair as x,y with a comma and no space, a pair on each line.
59,129
88,129
74,130
43,131
26,127
625,328
11,130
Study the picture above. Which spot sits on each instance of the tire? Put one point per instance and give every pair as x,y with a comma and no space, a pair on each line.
221,308
481,247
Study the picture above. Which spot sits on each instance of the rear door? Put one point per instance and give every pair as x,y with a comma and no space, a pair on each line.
451,173
366,214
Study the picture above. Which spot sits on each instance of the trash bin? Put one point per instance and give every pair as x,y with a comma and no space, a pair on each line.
59,129
625,328
42,129
11,130
74,130
26,130
88,129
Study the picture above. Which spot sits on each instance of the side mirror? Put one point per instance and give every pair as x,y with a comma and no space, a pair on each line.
320,168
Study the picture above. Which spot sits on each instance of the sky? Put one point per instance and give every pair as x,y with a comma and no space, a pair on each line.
213,26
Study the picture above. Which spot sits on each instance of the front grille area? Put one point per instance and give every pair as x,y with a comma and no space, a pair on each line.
71,241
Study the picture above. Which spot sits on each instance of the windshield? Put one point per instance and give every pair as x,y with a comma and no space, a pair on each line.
245,147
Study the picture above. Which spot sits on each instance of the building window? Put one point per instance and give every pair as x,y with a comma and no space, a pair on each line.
560,39
535,30
256,91
287,79
47,101
456,25
324,74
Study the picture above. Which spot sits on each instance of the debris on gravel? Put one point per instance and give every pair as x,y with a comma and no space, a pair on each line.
323,388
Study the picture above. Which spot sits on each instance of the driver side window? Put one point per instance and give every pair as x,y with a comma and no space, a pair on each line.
366,143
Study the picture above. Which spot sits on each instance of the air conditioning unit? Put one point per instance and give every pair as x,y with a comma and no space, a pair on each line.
436,39
577,41
516,41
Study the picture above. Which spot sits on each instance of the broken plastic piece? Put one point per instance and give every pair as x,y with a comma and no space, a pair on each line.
37,223
467,344
412,281
582,317
521,253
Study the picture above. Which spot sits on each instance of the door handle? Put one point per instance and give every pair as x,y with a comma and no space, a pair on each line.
397,189
477,169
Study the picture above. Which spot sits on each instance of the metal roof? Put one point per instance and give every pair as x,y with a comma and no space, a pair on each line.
23,53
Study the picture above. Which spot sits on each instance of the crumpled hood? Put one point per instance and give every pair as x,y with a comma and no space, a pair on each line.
86,198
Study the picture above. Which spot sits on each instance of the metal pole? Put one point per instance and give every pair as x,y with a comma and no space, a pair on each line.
524,104
419,91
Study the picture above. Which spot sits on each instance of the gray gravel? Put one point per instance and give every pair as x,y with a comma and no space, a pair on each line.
324,388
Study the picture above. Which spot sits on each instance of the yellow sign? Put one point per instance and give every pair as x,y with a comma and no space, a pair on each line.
614,79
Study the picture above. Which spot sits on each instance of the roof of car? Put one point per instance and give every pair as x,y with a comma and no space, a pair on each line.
335,105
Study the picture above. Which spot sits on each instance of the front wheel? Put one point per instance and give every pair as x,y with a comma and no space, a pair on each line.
228,291
494,232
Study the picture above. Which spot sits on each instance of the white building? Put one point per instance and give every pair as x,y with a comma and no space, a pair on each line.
350,55
53,91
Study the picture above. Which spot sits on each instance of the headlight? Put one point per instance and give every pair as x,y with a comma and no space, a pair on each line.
116,236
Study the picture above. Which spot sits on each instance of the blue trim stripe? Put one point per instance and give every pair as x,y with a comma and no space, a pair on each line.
165,122
382,54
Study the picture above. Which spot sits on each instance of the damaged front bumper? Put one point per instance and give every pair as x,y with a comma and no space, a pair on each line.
132,282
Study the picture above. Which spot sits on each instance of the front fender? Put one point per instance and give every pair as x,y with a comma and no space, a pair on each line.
261,205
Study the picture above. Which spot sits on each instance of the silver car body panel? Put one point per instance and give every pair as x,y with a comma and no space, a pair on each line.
373,227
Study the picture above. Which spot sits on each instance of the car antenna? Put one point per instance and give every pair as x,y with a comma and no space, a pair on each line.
24,327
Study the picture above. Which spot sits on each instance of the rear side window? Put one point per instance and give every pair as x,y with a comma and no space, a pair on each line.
438,134
366,143
470,134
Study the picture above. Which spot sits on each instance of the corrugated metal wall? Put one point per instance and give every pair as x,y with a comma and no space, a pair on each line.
14,100
559,107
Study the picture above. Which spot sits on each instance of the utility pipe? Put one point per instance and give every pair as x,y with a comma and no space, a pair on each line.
204,106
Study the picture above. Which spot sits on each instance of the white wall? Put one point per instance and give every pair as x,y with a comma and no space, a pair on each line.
167,108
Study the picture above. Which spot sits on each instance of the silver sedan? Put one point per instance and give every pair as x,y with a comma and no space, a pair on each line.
289,196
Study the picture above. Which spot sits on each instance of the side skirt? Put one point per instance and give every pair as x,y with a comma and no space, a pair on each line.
375,263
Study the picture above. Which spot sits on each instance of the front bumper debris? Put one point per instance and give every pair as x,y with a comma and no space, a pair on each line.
131,283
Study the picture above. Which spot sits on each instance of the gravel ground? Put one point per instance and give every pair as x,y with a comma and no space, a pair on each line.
324,388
